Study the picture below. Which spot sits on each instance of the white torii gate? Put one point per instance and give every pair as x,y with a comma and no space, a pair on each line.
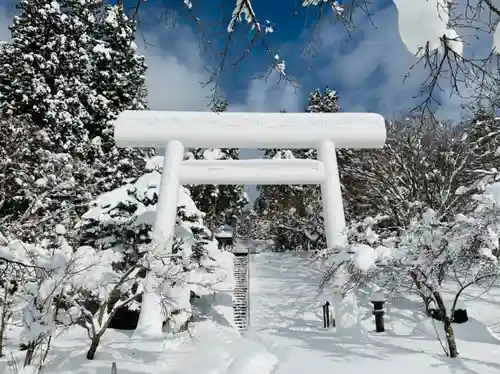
180,130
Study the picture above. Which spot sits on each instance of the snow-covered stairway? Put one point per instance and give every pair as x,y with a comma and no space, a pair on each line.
240,293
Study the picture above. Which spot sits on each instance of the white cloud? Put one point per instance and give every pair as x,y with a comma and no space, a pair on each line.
174,86
372,71
176,71
272,94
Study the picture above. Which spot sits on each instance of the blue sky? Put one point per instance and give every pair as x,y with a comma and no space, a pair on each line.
367,69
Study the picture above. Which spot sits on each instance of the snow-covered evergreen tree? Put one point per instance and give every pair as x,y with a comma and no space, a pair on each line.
121,221
220,203
296,211
274,200
45,70
323,102
69,69
118,79
42,188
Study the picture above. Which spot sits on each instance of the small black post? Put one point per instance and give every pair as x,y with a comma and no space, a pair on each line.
378,312
113,368
326,315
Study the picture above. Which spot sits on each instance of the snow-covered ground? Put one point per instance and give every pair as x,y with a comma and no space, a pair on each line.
286,317
286,336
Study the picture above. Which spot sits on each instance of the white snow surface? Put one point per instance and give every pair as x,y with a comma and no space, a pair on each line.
248,130
147,185
286,335
256,171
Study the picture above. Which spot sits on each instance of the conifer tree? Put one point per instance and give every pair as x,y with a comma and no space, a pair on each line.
119,80
70,68
220,203
295,211
42,188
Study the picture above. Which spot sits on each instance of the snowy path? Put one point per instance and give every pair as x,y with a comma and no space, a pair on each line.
285,316
283,294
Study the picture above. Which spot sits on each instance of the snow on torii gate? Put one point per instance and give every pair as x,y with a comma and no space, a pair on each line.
180,130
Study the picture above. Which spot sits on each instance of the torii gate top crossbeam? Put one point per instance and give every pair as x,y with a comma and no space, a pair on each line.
249,130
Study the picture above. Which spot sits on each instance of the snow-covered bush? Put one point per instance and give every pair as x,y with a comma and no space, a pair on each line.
430,252
43,291
121,221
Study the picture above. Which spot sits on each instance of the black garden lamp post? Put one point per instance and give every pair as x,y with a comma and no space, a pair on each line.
378,312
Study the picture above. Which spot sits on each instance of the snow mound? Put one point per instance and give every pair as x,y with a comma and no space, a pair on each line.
472,331
231,353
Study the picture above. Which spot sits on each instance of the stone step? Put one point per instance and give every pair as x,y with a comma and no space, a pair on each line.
240,292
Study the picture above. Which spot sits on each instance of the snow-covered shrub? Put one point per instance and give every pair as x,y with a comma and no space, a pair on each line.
102,290
43,291
430,252
121,221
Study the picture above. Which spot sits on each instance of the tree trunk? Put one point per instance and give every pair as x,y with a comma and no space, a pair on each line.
450,337
30,352
448,327
421,291
3,322
93,347
4,317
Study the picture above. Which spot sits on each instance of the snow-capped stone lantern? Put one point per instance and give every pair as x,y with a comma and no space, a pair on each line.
224,236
